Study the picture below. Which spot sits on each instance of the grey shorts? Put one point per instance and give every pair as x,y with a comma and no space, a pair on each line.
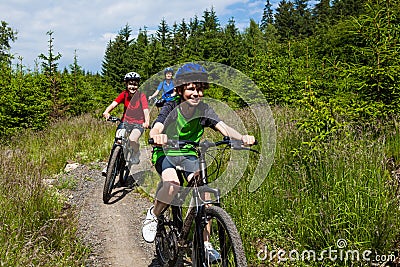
189,164
130,126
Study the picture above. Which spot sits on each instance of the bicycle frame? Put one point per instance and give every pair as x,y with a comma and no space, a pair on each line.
121,138
197,210
116,163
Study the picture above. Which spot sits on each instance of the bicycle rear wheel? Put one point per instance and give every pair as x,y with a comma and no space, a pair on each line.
115,167
225,239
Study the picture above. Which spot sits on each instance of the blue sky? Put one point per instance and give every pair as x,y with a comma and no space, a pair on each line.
88,25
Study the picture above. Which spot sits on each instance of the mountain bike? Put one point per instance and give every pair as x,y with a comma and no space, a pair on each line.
117,166
177,236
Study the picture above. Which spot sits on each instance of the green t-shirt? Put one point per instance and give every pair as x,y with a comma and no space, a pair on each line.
177,127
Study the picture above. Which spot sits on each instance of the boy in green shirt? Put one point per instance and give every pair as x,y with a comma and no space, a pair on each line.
184,119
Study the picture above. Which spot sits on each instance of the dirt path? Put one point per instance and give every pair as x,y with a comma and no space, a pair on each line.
113,230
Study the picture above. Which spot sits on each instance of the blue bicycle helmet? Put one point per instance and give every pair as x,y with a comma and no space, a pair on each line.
169,69
190,72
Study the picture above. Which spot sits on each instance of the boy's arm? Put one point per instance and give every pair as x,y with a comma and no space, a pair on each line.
153,95
146,118
106,113
157,91
156,134
226,130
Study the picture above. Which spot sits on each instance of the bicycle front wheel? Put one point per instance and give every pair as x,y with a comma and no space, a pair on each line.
113,169
225,239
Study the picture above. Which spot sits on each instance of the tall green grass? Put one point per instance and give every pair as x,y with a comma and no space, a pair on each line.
35,227
312,199
344,190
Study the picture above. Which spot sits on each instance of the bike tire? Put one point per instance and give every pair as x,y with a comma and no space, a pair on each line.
113,170
166,242
225,239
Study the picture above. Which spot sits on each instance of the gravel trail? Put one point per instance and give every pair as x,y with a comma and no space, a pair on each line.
113,231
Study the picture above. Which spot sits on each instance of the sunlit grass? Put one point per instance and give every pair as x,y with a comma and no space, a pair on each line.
35,229
309,200
312,199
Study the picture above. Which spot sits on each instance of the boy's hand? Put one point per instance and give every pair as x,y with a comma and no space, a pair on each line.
248,140
160,139
106,115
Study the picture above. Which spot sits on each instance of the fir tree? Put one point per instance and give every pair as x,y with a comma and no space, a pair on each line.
268,16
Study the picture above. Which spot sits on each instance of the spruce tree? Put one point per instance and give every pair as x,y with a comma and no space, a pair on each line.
346,8
302,18
267,17
50,69
232,54
180,39
7,35
284,20
211,39
321,12
117,60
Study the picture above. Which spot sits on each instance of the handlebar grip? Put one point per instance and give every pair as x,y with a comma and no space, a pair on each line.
113,119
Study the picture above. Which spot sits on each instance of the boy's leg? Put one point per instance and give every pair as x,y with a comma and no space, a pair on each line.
169,188
134,144
165,193
134,139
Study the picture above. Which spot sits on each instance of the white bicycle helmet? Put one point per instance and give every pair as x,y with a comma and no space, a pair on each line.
132,76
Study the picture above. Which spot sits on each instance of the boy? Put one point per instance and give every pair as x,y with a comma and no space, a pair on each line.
183,119
136,114
167,88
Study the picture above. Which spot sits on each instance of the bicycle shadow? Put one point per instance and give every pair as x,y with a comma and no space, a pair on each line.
181,262
132,181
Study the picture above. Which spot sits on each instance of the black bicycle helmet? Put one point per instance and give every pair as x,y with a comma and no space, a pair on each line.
190,72
132,76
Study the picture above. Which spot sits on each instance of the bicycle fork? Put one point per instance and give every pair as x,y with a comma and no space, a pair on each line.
200,225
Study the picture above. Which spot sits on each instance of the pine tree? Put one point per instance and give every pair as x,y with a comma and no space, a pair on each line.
117,60
302,18
7,35
50,69
211,38
268,16
322,13
347,8
284,20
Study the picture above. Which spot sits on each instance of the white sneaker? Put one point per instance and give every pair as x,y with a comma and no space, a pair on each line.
212,256
149,229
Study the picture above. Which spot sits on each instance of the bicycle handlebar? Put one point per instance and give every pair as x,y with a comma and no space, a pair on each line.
234,144
113,119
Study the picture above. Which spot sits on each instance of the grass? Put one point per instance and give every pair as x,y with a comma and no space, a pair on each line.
312,199
346,189
36,229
